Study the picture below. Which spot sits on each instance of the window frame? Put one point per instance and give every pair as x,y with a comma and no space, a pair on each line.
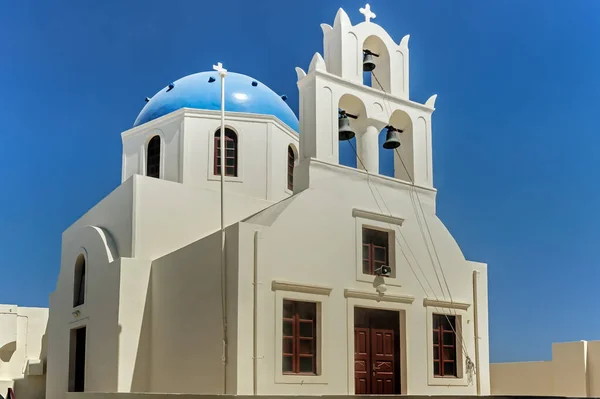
291,165
303,293
230,136
441,346
159,155
79,281
371,247
296,338
461,313
388,224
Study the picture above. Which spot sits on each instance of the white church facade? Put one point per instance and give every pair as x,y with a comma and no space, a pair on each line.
335,280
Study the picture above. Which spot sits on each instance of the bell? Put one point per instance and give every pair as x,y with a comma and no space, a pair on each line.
345,131
392,138
368,63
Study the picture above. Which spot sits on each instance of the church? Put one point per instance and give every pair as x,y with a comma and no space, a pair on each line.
321,279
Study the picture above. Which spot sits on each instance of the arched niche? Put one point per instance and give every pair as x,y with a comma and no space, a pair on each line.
353,106
381,75
403,155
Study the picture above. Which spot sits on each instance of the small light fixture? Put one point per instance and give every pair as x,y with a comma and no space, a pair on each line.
211,79
254,83
284,97
171,85
147,99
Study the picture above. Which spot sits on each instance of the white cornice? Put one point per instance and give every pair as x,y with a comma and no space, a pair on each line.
445,304
153,124
209,114
376,216
386,180
376,92
297,287
352,293
240,116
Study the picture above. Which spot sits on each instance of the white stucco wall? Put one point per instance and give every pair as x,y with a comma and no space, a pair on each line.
154,301
187,151
321,218
23,350
135,142
99,314
187,318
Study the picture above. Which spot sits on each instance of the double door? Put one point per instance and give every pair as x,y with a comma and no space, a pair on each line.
376,352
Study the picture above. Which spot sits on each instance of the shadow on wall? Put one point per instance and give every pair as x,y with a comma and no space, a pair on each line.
7,351
140,381
33,386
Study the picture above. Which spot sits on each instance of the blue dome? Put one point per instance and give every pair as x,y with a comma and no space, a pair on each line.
203,91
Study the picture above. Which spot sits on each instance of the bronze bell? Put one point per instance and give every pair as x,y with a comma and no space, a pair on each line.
345,131
368,63
392,138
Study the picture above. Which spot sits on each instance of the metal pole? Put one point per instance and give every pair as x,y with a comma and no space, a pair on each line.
222,73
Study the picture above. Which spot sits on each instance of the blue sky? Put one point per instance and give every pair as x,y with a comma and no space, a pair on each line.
515,139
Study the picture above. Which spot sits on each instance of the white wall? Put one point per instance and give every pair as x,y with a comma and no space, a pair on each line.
262,156
99,313
186,317
313,240
169,216
187,151
114,214
135,142
23,350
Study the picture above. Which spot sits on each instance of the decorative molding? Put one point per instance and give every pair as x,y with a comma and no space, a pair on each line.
368,89
376,216
351,293
381,179
445,304
295,287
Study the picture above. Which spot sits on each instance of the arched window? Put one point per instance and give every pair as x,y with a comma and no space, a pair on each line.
231,153
153,157
291,160
79,281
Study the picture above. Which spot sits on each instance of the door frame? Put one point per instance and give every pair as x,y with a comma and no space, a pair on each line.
382,305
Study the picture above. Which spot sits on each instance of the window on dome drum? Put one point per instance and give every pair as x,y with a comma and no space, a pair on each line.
375,249
231,153
153,157
290,168
444,345
79,282
299,349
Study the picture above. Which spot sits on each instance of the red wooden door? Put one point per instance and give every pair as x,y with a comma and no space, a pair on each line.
382,361
374,361
362,361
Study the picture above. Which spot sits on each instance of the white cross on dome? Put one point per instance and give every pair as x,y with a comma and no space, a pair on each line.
219,68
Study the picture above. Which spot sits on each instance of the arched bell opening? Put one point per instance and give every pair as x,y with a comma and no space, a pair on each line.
376,64
351,116
398,140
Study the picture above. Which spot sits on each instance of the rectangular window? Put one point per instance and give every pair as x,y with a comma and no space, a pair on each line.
375,249
299,349
444,346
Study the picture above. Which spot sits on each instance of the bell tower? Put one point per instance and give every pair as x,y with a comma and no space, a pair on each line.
335,102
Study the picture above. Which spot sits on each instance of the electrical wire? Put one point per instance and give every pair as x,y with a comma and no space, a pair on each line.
470,365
